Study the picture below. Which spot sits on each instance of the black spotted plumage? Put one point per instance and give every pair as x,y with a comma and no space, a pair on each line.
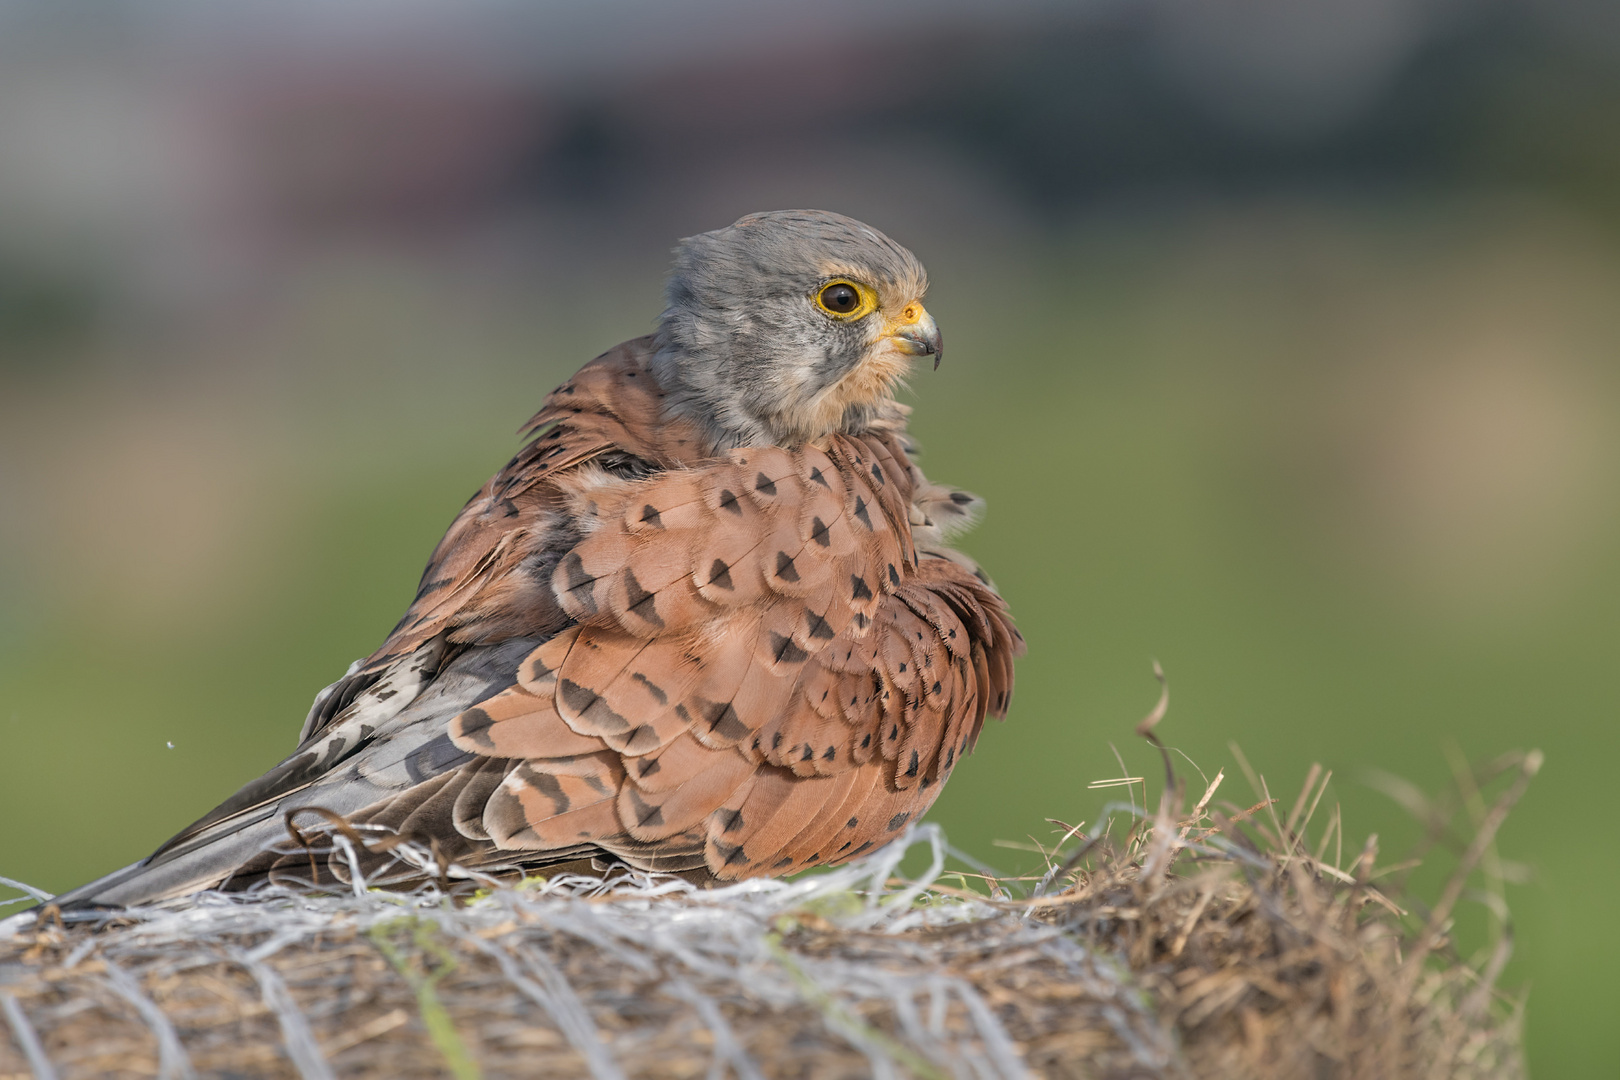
704,622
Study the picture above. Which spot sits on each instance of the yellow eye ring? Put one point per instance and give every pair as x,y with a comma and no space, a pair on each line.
846,300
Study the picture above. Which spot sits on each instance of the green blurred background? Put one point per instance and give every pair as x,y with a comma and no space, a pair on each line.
1283,347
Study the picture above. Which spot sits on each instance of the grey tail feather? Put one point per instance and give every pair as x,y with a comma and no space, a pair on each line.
201,864
400,737
204,853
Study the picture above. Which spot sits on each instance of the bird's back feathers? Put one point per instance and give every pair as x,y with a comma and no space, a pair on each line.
631,646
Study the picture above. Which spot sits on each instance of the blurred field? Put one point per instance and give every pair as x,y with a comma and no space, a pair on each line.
1341,453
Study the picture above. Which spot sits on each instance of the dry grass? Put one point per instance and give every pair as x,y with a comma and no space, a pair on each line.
1224,940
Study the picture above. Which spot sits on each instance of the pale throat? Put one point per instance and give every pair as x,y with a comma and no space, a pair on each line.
866,388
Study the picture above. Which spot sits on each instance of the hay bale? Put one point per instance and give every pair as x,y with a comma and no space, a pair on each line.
1209,943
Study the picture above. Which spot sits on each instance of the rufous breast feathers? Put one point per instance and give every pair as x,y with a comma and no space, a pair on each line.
759,665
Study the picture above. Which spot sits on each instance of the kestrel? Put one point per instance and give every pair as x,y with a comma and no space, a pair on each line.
705,622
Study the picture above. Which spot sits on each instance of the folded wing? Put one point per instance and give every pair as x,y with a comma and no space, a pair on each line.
761,668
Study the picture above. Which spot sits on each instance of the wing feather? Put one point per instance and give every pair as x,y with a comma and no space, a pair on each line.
731,663
756,646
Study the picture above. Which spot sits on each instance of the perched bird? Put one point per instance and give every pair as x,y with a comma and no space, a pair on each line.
705,621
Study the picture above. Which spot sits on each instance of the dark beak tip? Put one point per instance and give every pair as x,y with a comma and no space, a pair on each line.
919,345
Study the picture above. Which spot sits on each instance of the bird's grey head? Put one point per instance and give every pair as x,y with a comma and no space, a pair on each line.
789,325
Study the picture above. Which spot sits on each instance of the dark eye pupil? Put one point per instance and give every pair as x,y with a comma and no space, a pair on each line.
840,298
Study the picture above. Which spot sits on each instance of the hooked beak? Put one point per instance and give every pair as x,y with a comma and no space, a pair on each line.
918,335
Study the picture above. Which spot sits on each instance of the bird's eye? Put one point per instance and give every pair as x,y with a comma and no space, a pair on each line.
840,299
846,300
